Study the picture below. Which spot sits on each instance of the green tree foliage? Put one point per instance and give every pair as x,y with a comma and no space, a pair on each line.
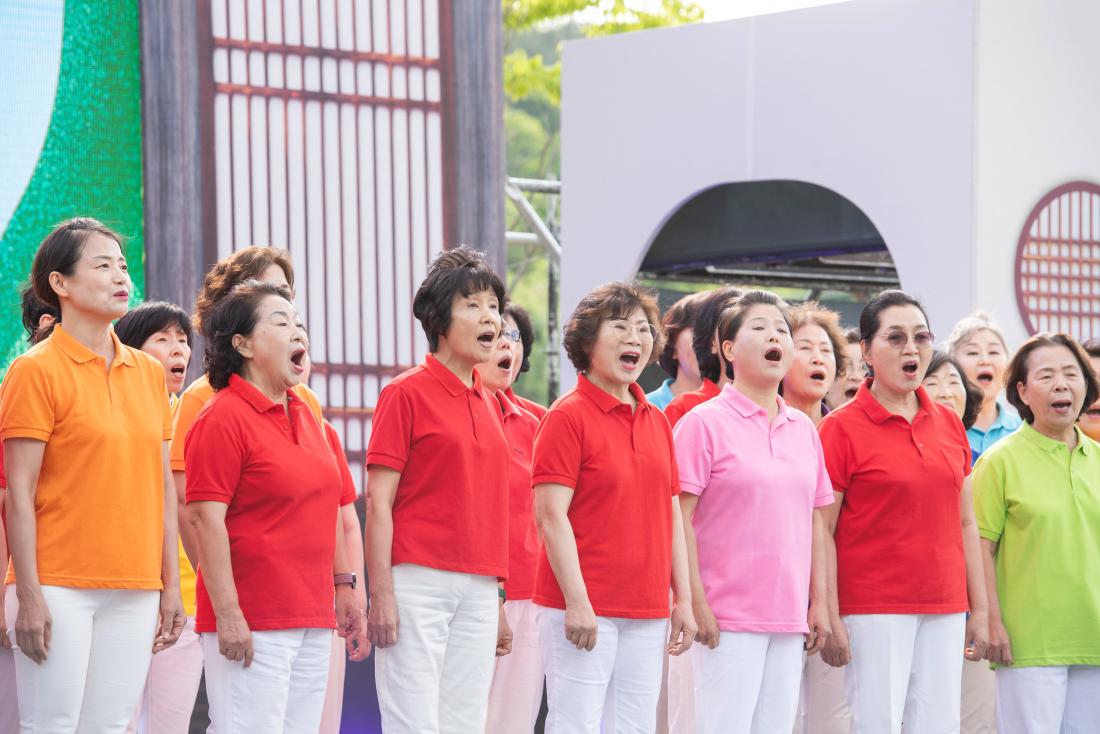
534,31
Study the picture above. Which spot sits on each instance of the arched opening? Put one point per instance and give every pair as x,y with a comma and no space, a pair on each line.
798,239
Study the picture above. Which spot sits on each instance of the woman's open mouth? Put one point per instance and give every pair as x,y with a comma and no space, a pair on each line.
178,370
851,392
985,378
818,376
298,359
910,368
505,364
773,354
487,339
1062,406
629,360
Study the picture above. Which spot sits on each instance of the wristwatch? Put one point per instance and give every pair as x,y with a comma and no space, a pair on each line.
343,578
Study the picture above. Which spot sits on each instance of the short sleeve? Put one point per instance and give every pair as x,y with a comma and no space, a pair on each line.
26,402
187,409
215,453
391,429
990,502
837,450
348,493
557,453
823,493
694,453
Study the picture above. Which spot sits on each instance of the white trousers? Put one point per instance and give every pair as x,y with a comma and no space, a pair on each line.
680,683
282,692
979,715
9,703
1048,700
334,689
823,708
905,666
436,678
616,685
101,643
171,686
748,684
516,695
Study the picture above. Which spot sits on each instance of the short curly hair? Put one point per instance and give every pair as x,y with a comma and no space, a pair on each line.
678,317
453,272
234,313
229,272
811,312
519,314
609,301
1018,370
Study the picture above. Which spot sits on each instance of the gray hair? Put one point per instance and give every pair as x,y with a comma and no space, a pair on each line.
970,325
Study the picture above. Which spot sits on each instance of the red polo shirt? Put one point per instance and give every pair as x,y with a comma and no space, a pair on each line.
446,439
277,474
347,484
622,469
681,404
539,411
523,535
899,536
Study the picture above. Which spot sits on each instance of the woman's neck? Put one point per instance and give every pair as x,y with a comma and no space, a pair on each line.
1066,435
988,414
90,330
903,403
460,367
683,383
273,390
763,395
809,405
618,390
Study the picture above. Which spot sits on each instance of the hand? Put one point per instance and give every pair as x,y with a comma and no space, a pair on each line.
382,620
33,626
683,629
358,646
581,625
172,619
837,651
349,622
999,649
977,636
820,628
5,641
708,632
504,634
234,638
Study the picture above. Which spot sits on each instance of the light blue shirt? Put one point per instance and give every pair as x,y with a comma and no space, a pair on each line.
1008,420
662,396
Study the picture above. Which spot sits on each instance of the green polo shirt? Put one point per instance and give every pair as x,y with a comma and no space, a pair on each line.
1041,503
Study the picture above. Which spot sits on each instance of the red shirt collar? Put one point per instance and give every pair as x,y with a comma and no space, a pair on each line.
260,402
877,413
449,379
606,401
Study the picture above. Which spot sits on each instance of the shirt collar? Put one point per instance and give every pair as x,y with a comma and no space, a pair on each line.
879,414
80,354
606,401
1050,445
507,405
252,395
1007,418
746,407
709,389
449,380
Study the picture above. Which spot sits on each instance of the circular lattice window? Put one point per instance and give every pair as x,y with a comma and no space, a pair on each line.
1058,262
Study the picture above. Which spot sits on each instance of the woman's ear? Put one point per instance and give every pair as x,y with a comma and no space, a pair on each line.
57,282
240,343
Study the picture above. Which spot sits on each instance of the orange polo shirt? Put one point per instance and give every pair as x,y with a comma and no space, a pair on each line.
99,503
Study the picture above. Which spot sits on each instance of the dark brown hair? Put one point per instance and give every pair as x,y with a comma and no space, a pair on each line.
33,311
59,252
227,273
734,316
609,301
1092,348
814,313
869,318
679,316
149,318
234,313
526,332
1018,370
709,311
453,272
974,395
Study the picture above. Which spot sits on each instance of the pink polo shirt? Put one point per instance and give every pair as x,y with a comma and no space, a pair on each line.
758,485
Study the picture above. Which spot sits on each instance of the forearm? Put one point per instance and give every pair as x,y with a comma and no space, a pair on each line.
989,577
170,562
186,530
378,547
353,544
561,551
217,566
23,540
975,574
340,563
819,564
681,576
